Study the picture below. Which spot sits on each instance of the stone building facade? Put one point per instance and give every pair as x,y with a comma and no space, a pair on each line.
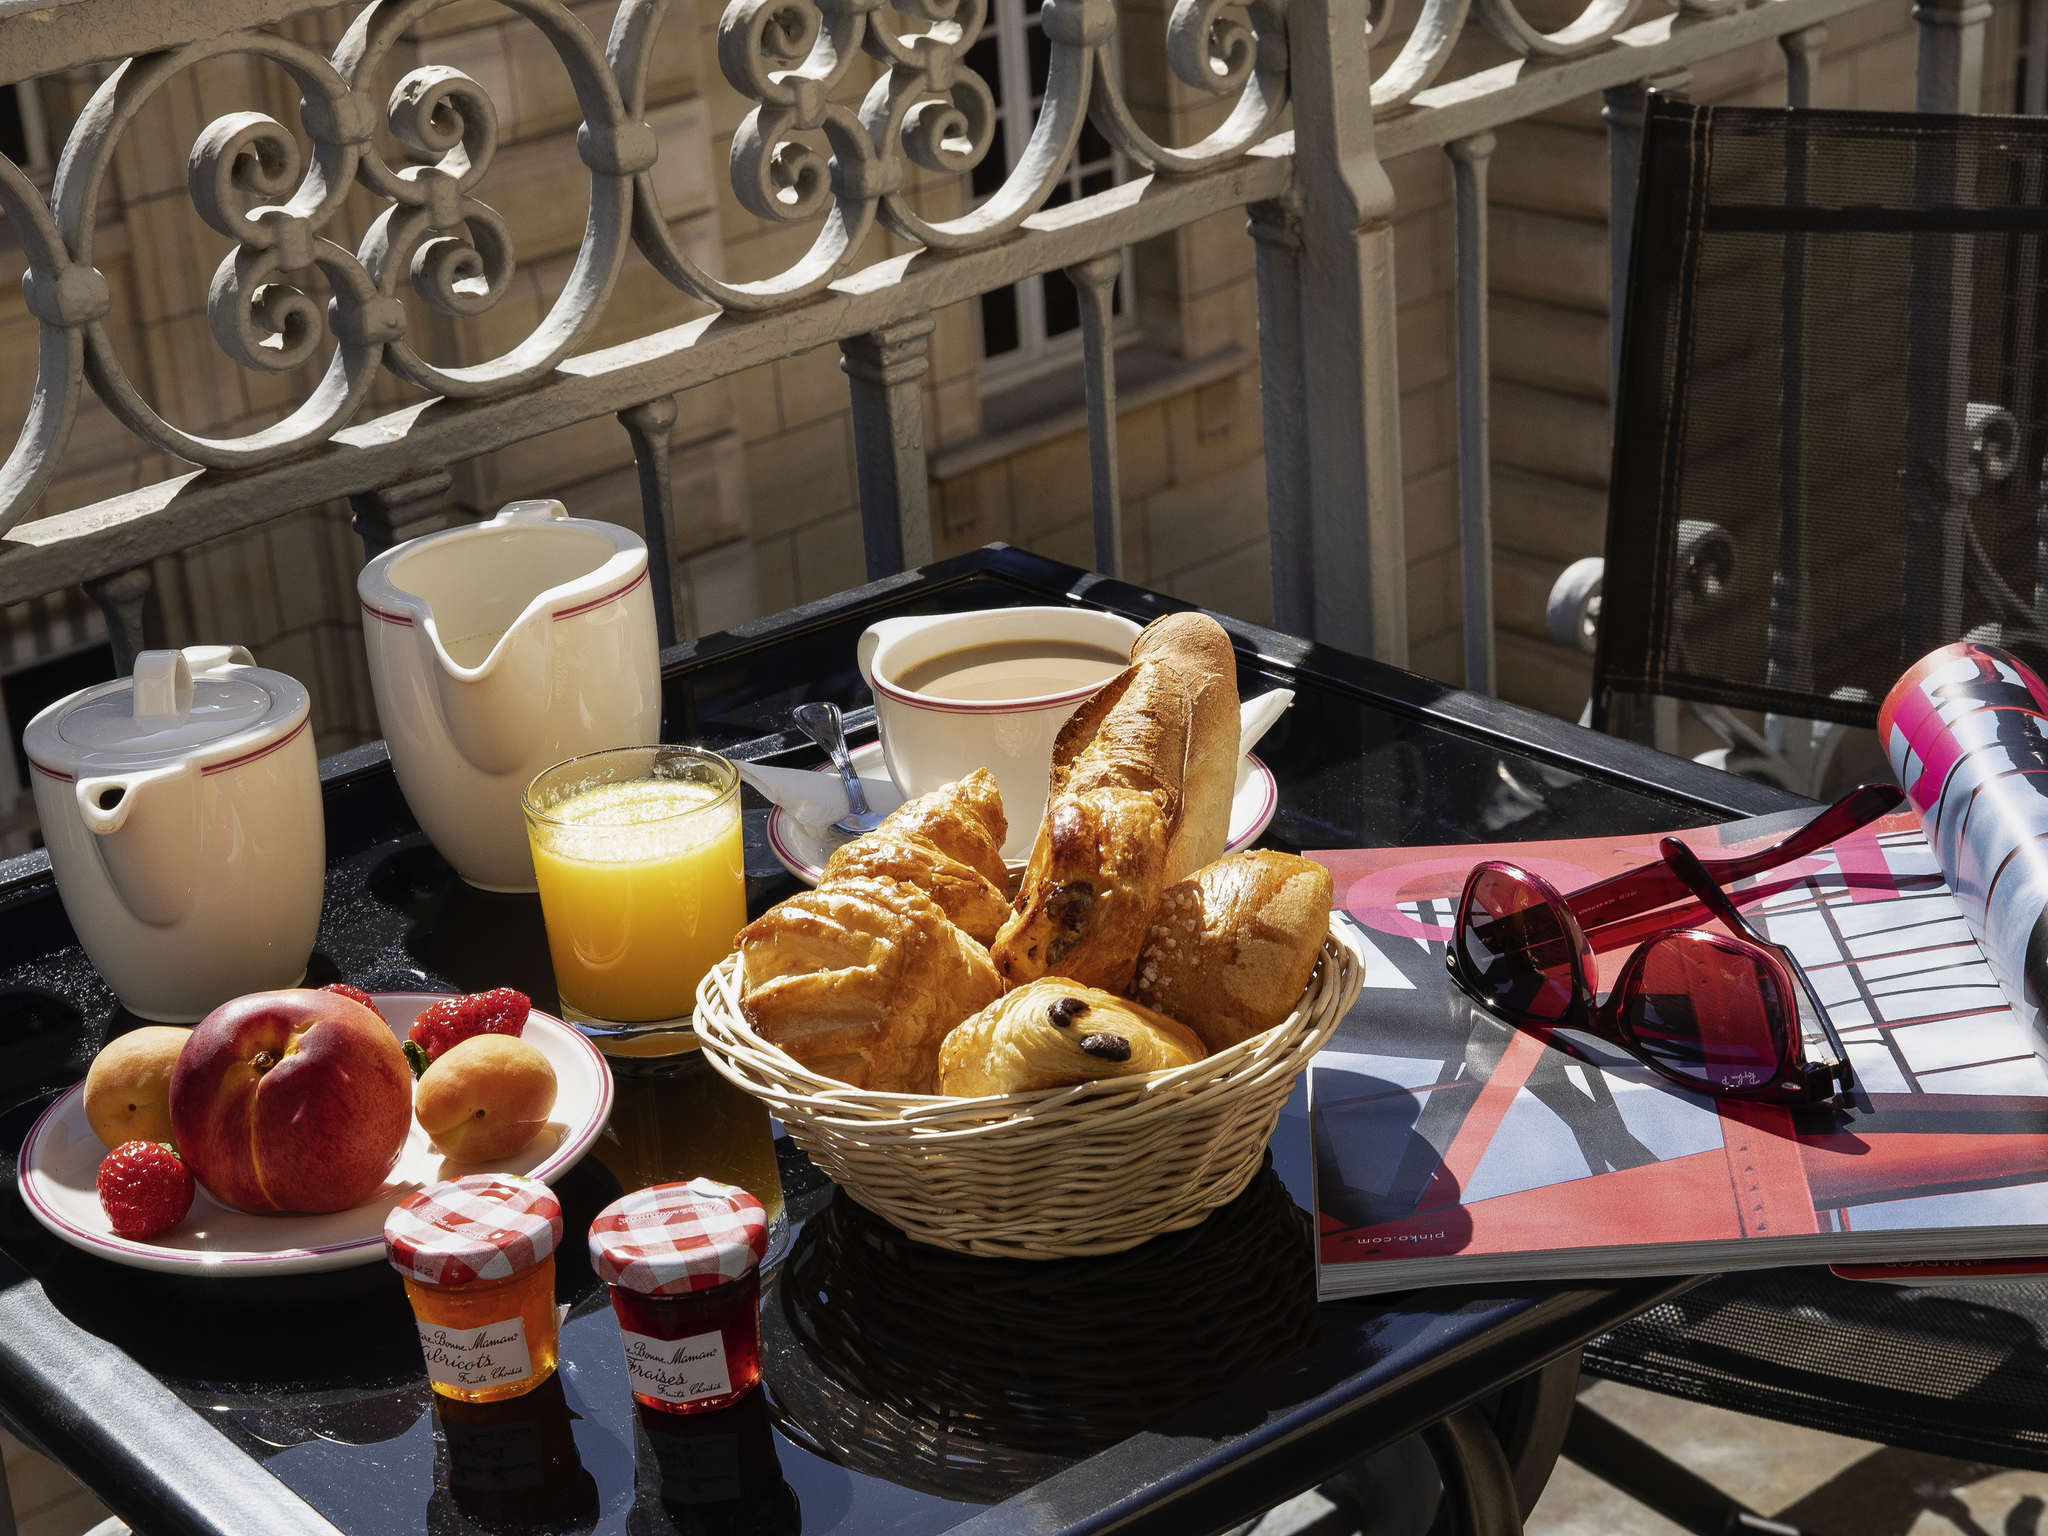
767,510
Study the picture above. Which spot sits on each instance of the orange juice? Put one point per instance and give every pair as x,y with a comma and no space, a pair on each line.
642,886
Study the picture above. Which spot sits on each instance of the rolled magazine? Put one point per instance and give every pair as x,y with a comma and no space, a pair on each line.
1966,732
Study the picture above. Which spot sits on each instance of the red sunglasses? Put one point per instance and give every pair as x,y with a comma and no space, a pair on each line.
1733,1016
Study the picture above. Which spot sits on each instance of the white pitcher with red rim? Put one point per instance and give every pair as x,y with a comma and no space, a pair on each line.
497,650
181,807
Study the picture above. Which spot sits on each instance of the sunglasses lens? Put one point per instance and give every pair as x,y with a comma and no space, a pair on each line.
1707,1011
1516,951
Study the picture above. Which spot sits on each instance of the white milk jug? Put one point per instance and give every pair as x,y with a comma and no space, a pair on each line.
182,812
498,650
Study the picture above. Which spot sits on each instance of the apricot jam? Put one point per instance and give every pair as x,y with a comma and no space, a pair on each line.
478,1258
683,1263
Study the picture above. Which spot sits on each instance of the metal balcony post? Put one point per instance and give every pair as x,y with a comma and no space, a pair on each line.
1095,281
1276,235
1345,408
886,369
1475,475
648,425
123,599
384,517
1950,74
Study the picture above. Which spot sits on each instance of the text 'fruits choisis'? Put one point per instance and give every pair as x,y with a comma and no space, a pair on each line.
291,1101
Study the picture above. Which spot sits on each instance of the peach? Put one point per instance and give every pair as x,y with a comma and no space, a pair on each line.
128,1086
486,1098
291,1101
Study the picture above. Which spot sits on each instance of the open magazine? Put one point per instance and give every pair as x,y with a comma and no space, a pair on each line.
1452,1146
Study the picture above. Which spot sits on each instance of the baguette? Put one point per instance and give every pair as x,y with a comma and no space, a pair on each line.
1195,649
1098,864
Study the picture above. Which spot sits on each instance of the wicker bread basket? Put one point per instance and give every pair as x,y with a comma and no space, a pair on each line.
1057,1173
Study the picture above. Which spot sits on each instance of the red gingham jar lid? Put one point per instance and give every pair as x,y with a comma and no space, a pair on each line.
676,1238
488,1226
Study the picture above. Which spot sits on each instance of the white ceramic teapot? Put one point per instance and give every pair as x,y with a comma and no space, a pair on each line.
182,811
500,649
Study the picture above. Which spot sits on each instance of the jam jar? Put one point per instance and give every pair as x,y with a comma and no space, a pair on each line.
683,1263
478,1257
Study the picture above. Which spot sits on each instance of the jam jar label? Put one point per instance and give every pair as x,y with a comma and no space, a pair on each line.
678,1370
471,1359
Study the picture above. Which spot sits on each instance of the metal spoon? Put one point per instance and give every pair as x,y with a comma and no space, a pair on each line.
821,723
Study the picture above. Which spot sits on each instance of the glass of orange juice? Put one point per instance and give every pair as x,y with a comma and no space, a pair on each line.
642,880
643,886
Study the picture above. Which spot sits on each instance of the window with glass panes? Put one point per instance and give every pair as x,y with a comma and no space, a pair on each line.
1040,317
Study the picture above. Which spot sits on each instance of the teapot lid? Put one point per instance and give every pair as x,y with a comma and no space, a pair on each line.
177,705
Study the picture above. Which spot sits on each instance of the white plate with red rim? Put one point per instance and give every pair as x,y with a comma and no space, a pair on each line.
60,1161
803,852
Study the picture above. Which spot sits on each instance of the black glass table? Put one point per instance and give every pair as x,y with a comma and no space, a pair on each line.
1180,1387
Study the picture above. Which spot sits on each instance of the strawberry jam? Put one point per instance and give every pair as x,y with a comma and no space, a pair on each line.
683,1263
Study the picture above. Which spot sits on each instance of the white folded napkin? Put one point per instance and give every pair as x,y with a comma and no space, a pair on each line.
816,800
1257,716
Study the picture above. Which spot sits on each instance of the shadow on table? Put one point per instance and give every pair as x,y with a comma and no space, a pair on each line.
976,1378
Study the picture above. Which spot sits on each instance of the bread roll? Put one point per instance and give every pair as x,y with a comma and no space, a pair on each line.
860,980
1194,647
911,846
1099,862
1230,950
1054,1033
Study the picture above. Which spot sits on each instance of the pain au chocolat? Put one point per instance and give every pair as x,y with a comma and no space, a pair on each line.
1052,1033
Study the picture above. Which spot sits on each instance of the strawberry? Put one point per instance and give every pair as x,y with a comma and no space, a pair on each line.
449,1022
145,1188
353,994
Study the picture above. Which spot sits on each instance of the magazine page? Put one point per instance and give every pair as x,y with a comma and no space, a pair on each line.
1453,1146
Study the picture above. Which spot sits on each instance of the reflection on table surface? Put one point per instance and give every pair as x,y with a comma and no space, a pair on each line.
975,1378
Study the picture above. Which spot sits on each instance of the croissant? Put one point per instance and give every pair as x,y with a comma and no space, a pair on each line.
975,904
915,843
964,820
860,980
1099,863
1056,1032
1231,949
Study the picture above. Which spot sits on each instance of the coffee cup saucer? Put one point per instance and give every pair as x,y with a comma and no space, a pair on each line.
803,851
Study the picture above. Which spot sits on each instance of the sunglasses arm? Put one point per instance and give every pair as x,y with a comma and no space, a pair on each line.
1656,885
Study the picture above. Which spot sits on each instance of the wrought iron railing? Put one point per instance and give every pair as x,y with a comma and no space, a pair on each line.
1309,121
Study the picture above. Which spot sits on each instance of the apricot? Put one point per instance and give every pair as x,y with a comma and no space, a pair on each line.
128,1086
485,1098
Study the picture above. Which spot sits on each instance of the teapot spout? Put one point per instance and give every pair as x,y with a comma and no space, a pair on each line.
146,828
490,708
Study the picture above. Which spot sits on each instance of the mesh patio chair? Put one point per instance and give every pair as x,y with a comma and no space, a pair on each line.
1829,437
1829,459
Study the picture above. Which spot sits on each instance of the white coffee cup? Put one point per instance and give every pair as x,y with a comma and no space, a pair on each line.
930,741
